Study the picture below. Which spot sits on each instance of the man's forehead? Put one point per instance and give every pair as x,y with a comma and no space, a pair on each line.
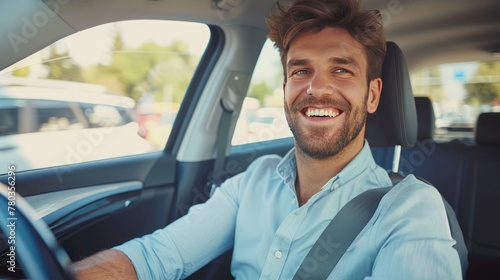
330,42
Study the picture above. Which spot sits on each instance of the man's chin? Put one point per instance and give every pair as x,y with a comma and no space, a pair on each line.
318,151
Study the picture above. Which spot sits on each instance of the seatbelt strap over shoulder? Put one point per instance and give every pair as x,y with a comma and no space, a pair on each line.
339,234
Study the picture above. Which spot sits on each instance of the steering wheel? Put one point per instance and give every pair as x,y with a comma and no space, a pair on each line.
30,240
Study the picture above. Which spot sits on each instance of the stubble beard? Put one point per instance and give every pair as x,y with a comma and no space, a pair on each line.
313,142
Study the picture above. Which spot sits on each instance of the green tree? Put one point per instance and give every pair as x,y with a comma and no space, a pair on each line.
485,84
480,93
260,91
22,72
61,66
163,70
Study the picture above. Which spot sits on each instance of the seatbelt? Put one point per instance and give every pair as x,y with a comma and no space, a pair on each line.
351,219
217,176
339,234
217,173
234,85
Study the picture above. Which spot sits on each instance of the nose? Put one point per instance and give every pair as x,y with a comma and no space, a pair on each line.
319,85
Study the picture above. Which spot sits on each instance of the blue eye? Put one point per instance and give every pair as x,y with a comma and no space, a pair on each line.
300,72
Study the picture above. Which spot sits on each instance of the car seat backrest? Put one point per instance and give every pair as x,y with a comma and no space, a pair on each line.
482,199
425,118
394,122
441,164
488,129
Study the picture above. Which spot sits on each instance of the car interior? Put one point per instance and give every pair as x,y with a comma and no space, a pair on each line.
78,208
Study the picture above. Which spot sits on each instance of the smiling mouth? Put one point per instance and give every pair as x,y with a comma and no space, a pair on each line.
321,112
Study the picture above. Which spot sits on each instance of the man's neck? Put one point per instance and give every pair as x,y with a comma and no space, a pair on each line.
312,174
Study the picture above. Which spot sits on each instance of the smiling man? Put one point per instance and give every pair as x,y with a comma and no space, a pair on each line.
327,98
275,211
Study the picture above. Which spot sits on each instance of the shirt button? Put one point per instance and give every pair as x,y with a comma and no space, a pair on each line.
293,200
336,186
278,254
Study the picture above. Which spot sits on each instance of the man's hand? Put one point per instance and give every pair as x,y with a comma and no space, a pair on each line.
109,264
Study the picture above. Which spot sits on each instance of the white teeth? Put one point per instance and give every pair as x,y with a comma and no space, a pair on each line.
321,113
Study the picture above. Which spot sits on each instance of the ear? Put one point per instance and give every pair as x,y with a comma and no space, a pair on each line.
284,85
374,90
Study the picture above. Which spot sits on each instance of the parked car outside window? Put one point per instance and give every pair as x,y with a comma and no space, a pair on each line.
116,97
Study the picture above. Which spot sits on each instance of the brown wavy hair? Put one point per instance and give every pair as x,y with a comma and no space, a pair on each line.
306,16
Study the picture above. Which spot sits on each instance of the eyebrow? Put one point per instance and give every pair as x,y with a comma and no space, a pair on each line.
334,60
345,61
297,62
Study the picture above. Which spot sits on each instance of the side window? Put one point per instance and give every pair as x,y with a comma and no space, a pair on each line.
50,115
262,116
109,91
9,117
460,92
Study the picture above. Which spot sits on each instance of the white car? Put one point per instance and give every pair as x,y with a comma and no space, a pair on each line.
50,126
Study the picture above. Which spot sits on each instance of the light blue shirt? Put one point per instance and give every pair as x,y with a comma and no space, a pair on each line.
257,211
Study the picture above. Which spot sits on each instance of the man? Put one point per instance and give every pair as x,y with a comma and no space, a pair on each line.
272,214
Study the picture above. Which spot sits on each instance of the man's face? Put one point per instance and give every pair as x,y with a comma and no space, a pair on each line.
327,95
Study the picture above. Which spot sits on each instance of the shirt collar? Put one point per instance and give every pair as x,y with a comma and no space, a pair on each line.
362,161
287,168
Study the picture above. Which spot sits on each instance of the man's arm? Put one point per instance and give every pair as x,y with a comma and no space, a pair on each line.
109,264
199,236
417,242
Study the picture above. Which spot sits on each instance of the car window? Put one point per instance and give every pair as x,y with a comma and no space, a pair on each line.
50,115
262,116
109,91
459,92
9,120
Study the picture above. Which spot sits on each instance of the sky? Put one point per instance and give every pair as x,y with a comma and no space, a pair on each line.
135,34
91,46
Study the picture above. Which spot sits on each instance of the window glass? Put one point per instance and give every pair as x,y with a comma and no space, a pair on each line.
109,91
9,121
54,115
459,92
262,116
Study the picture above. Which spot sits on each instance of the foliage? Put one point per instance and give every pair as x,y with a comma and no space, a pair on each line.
485,89
61,66
259,91
164,71
22,72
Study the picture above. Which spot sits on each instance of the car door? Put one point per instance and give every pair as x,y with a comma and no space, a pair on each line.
100,183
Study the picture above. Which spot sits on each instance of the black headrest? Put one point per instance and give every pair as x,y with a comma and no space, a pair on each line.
395,121
425,118
488,129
